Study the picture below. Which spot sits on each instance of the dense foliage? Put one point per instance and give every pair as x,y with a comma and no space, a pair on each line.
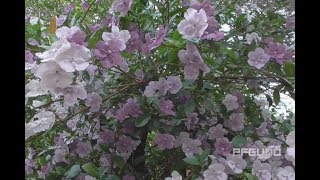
159,89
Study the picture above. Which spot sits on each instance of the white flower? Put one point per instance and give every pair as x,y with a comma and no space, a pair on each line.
64,32
215,171
45,122
290,152
122,36
53,76
71,57
35,88
174,176
283,173
253,37
72,94
194,24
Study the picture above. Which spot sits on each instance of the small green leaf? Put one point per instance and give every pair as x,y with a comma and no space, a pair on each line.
238,141
91,169
119,161
276,94
289,69
142,121
193,160
73,171
251,176
113,177
250,28
94,37
203,156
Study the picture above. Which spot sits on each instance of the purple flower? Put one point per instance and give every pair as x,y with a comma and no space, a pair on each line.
174,84
85,5
261,170
191,147
217,131
68,8
193,62
109,54
45,170
72,94
59,155
235,122
94,28
107,136
230,102
29,164
28,57
125,144
290,23
121,6
194,24
206,5
128,177
132,107
155,42
164,141
279,52
223,146
106,160
236,163
215,171
192,121
262,130
94,101
166,107
139,74
84,149
258,58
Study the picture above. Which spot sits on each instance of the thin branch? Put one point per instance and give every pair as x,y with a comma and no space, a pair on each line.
85,14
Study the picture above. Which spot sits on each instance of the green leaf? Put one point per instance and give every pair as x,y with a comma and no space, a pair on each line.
269,99
113,177
232,54
94,37
250,28
289,69
91,169
251,176
119,161
73,171
238,141
142,121
203,156
276,94
193,160
189,107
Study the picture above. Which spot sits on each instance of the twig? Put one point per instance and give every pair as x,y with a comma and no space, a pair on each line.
85,14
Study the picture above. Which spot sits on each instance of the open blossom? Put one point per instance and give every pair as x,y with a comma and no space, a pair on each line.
84,149
45,121
194,24
72,94
223,146
191,147
94,101
121,6
125,144
215,171
166,107
281,173
122,36
192,61
106,136
131,107
109,54
152,43
206,5
217,131
236,163
35,88
230,102
279,52
71,57
73,35
253,37
235,122
258,58
192,121
164,141
174,176
261,170
290,152
160,88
